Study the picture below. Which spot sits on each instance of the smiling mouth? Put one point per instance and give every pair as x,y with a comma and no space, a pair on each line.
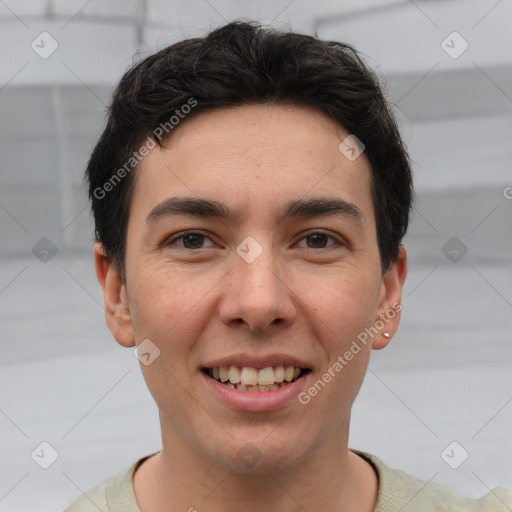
245,378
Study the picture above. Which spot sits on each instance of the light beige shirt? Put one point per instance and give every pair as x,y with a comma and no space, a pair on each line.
398,491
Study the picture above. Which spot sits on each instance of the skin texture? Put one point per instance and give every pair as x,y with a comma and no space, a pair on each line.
302,296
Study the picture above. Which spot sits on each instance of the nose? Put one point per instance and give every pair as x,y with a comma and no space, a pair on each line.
258,295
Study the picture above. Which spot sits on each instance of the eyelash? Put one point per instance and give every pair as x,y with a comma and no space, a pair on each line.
184,234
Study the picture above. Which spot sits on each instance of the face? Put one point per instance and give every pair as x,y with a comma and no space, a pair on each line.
280,270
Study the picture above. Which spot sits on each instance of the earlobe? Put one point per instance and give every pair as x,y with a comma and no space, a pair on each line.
117,311
390,306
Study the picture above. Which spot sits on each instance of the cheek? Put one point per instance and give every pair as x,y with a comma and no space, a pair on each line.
345,302
169,310
156,313
168,320
352,311
159,299
346,306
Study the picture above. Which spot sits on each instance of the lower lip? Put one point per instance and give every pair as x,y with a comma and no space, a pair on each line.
255,401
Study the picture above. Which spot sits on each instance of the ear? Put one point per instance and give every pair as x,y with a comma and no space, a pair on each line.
117,311
390,300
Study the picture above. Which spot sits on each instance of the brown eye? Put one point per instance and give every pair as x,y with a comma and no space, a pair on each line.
190,240
319,240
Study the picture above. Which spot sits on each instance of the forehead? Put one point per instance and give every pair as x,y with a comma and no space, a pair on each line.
254,158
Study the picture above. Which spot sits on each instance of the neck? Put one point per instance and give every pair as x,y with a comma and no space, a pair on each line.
330,478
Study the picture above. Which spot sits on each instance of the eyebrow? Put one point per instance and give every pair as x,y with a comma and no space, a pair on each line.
205,208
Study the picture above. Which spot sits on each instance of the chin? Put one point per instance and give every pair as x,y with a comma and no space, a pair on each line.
262,456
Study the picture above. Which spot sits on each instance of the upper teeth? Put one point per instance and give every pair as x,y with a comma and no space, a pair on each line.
252,376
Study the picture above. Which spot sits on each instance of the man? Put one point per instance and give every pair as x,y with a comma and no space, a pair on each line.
250,193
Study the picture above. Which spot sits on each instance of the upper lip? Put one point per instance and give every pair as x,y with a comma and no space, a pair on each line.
257,362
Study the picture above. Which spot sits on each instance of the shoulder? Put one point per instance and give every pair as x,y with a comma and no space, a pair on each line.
114,495
92,500
401,491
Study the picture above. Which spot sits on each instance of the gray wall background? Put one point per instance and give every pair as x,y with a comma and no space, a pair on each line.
447,374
